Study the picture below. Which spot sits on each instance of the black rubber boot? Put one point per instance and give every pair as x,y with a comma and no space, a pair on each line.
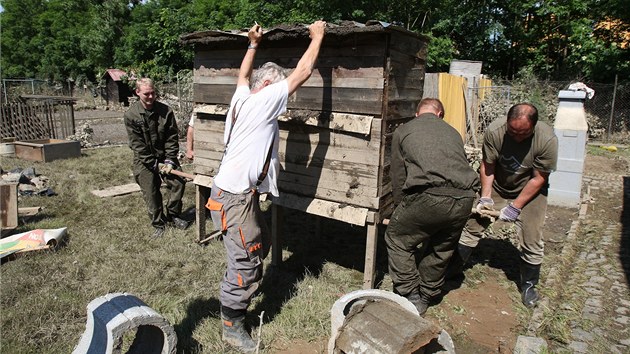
458,261
235,334
420,301
530,274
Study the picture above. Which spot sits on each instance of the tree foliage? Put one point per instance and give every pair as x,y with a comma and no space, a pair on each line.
78,39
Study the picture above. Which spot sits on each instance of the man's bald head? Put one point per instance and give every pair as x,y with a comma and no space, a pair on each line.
523,110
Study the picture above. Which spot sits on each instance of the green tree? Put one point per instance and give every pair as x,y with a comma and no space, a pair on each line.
20,46
102,34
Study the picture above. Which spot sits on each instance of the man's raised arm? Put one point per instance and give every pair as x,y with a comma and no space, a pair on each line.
305,66
255,36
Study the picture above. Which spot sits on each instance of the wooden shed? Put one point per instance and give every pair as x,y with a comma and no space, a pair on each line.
335,137
115,90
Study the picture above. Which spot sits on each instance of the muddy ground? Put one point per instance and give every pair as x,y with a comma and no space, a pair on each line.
483,313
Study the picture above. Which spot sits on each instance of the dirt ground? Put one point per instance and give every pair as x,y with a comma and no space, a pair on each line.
107,125
482,314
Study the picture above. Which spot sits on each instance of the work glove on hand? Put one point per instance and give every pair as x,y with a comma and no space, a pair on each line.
485,204
166,167
509,213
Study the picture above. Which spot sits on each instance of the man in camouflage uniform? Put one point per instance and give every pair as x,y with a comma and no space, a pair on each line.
153,137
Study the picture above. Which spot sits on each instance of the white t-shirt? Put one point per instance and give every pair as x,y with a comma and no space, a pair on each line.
192,119
255,130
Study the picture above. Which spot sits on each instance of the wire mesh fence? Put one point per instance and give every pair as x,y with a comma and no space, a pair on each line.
607,112
179,95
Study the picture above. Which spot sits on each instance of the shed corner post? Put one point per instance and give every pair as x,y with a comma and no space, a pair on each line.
201,197
370,254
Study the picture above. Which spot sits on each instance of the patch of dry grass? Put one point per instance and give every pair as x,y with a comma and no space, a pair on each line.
44,294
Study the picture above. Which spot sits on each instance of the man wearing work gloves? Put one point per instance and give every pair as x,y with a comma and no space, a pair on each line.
434,188
152,131
518,156
249,167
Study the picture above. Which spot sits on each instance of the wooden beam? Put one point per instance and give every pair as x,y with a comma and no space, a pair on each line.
337,211
117,190
370,255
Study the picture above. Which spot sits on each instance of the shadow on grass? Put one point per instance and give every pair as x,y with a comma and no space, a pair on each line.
340,243
198,310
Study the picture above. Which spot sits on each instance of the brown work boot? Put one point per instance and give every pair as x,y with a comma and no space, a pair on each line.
235,334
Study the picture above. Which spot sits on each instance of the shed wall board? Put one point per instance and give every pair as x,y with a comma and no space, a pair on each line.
323,153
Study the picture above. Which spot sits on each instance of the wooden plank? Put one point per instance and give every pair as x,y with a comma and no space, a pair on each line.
430,89
204,181
212,117
203,169
266,53
29,211
355,123
293,151
213,94
350,100
337,72
313,81
295,129
331,210
330,99
117,190
8,206
202,193
323,63
211,109
346,198
341,179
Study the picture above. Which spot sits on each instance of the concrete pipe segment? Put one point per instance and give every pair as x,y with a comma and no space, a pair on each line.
112,315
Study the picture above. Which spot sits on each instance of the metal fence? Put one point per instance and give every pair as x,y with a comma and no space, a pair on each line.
608,112
179,95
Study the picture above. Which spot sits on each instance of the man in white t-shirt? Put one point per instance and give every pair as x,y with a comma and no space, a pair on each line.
249,167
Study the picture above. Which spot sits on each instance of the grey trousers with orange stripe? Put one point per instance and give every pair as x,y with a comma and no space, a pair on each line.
247,242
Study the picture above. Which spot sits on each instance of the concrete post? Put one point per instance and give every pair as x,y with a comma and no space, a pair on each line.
565,184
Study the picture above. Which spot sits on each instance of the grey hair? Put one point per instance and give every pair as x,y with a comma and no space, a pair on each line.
268,71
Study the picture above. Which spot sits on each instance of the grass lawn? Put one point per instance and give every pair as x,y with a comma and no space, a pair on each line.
44,294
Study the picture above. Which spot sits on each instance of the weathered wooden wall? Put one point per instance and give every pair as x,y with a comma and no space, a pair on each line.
334,140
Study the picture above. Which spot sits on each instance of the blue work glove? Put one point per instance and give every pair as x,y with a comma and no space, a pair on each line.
166,167
509,213
485,204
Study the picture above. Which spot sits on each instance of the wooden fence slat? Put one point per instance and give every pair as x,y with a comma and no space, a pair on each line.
37,119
